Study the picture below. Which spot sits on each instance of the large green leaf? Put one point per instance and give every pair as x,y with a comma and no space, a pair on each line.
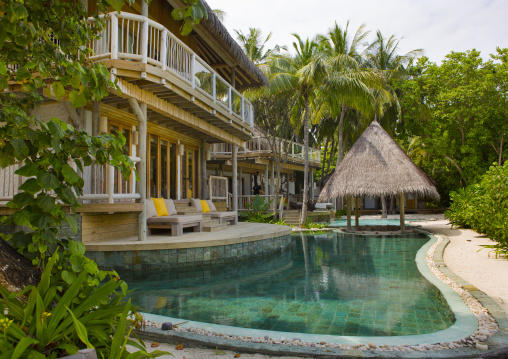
30,185
70,175
59,90
78,99
116,4
18,12
28,170
49,181
80,330
22,346
3,68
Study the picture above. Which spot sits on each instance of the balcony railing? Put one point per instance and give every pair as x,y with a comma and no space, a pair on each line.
259,144
137,38
102,183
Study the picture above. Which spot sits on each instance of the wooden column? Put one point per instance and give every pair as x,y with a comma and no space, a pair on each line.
144,8
357,213
348,212
401,207
204,187
140,112
235,178
272,178
265,180
240,183
311,183
233,77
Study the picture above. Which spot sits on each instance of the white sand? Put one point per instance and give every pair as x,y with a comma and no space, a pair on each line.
461,256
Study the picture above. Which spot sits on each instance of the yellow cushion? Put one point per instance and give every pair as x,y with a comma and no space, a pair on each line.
205,206
160,206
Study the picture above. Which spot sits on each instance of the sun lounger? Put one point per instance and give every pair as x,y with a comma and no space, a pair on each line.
222,217
172,221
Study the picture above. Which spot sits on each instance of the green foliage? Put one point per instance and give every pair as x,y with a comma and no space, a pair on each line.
280,222
190,15
258,212
340,213
313,225
455,116
61,318
483,207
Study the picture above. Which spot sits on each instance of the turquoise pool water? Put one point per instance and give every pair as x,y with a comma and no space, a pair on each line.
329,283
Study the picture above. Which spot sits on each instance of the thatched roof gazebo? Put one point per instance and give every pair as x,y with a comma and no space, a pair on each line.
376,166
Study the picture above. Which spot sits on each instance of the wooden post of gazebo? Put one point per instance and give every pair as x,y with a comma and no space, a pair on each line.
401,206
348,212
357,213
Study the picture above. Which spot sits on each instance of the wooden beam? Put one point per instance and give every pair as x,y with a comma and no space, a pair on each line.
128,90
348,212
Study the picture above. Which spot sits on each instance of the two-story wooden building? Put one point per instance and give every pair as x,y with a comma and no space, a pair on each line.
176,95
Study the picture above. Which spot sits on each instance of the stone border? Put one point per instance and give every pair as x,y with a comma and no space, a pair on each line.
161,259
489,341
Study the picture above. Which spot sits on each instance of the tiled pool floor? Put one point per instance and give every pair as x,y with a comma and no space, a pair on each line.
328,284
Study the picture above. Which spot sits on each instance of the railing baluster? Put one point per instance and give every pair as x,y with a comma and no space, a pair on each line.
164,38
114,37
144,42
193,70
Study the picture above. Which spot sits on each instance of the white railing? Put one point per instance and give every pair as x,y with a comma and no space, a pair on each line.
260,145
103,182
9,182
99,183
243,201
137,38
218,189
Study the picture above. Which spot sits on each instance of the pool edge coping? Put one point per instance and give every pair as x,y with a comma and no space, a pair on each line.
497,343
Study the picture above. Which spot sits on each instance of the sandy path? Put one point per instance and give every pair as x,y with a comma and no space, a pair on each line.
461,256
479,268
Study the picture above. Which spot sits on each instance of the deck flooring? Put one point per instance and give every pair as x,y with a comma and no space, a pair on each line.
240,233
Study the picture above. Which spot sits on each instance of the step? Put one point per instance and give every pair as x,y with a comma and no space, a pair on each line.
210,221
215,227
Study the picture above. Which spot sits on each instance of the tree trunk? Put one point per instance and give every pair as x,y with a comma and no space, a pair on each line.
303,218
16,272
392,205
332,154
383,205
323,164
341,144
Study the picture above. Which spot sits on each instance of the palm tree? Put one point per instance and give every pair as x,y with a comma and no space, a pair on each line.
301,73
382,56
253,45
347,84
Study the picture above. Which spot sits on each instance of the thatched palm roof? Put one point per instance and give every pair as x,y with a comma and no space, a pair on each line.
217,28
376,166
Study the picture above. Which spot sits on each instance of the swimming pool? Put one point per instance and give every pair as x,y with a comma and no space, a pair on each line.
369,222
330,284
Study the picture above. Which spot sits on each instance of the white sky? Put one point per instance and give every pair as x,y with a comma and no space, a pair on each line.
436,26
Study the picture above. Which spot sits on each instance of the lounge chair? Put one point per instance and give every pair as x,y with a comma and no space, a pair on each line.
222,217
172,221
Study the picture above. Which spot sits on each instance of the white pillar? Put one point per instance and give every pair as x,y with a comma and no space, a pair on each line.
178,173
235,178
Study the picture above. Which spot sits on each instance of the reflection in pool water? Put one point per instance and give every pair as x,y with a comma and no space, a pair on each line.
329,283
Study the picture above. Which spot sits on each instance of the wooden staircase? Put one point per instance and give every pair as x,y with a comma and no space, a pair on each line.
292,217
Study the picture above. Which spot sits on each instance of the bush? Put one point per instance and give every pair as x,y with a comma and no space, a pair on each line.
59,319
483,207
258,212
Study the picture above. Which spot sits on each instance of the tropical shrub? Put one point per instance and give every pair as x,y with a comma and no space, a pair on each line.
483,207
59,319
258,212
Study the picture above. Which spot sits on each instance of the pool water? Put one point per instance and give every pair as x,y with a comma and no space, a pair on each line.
331,283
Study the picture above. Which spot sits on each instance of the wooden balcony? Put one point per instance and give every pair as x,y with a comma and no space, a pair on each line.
258,149
147,55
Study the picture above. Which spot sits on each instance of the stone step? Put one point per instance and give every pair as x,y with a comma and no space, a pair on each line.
209,221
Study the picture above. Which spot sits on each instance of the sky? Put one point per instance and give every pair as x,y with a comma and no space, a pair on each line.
436,26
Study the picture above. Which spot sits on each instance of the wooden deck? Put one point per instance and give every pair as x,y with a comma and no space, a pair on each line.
240,233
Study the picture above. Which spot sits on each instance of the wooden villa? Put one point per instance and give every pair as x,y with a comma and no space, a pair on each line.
177,96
